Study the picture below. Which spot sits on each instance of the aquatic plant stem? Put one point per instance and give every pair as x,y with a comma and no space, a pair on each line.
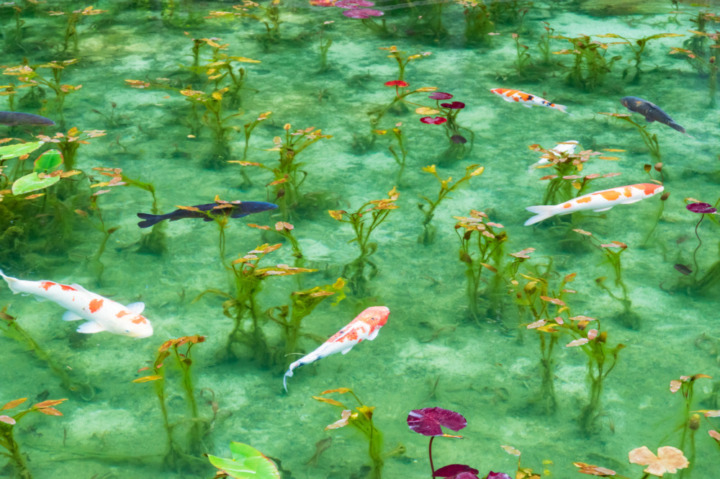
432,466
697,235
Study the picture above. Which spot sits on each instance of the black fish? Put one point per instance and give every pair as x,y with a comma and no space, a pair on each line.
650,111
234,209
14,118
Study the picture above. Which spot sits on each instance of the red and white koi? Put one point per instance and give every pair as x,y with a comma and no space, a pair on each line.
526,99
102,314
597,201
365,326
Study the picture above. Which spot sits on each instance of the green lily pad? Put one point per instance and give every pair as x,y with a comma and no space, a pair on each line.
247,463
48,161
32,182
18,149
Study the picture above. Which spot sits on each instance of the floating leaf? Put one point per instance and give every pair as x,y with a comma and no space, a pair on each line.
246,463
146,379
669,459
594,470
48,161
33,182
427,421
18,149
423,110
454,470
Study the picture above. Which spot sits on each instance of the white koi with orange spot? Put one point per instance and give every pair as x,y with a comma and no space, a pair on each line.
365,326
597,201
102,314
526,99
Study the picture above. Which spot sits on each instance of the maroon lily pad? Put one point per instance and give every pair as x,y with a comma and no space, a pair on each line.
362,13
497,475
427,421
433,120
703,208
456,105
438,95
453,471
459,139
354,3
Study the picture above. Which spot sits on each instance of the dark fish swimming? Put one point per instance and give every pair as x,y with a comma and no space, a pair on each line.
234,209
14,118
650,111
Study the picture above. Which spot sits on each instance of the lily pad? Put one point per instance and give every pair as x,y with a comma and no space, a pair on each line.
48,161
18,149
33,182
246,463
428,421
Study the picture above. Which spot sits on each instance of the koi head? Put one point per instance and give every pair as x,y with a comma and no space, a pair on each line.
375,316
499,91
134,325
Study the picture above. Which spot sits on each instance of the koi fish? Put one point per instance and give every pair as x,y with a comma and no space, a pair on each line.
650,111
564,147
366,325
597,201
14,118
102,314
526,99
234,209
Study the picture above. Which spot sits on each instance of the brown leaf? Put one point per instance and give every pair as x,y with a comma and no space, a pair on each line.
13,404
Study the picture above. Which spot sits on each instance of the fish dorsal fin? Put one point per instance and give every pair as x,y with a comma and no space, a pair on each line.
136,308
71,316
603,209
79,288
91,327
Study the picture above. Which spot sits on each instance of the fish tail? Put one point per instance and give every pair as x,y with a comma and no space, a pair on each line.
677,127
10,282
562,108
542,212
288,374
149,220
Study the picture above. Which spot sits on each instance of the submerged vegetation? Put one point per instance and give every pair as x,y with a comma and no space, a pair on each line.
551,331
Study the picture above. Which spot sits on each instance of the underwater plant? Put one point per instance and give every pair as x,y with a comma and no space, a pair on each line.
246,463
73,20
30,77
523,60
68,143
399,151
447,116
403,59
481,248
478,25
302,304
268,14
12,329
704,63
612,252
590,63
242,302
702,209
691,420
429,422
361,420
363,225
650,140
324,45
180,350
668,460
446,187
711,277
18,461
638,48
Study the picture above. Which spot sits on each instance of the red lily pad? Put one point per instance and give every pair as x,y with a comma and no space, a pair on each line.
428,421
497,475
456,105
703,208
439,95
399,83
433,120
457,471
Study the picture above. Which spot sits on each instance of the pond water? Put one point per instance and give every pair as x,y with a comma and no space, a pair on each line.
190,103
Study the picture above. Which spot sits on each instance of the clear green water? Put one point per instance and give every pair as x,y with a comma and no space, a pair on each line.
431,353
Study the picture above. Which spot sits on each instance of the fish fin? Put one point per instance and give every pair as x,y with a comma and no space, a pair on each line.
348,348
608,208
39,299
70,316
136,308
677,127
542,212
91,327
79,288
561,108
629,202
288,374
373,335
238,215
527,105
149,220
10,282
648,119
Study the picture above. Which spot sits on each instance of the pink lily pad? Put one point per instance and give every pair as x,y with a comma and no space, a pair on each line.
433,120
497,475
354,3
362,13
457,471
703,208
456,105
438,95
427,421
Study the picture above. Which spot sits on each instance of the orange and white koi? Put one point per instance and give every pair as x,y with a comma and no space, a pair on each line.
526,99
597,201
365,326
102,314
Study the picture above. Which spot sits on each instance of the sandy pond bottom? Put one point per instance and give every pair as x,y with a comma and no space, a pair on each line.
430,353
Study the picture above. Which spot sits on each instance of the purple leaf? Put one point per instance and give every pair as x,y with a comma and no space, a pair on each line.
459,139
497,475
433,120
453,470
428,421
703,208
362,13
456,105
354,3
465,475
438,95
